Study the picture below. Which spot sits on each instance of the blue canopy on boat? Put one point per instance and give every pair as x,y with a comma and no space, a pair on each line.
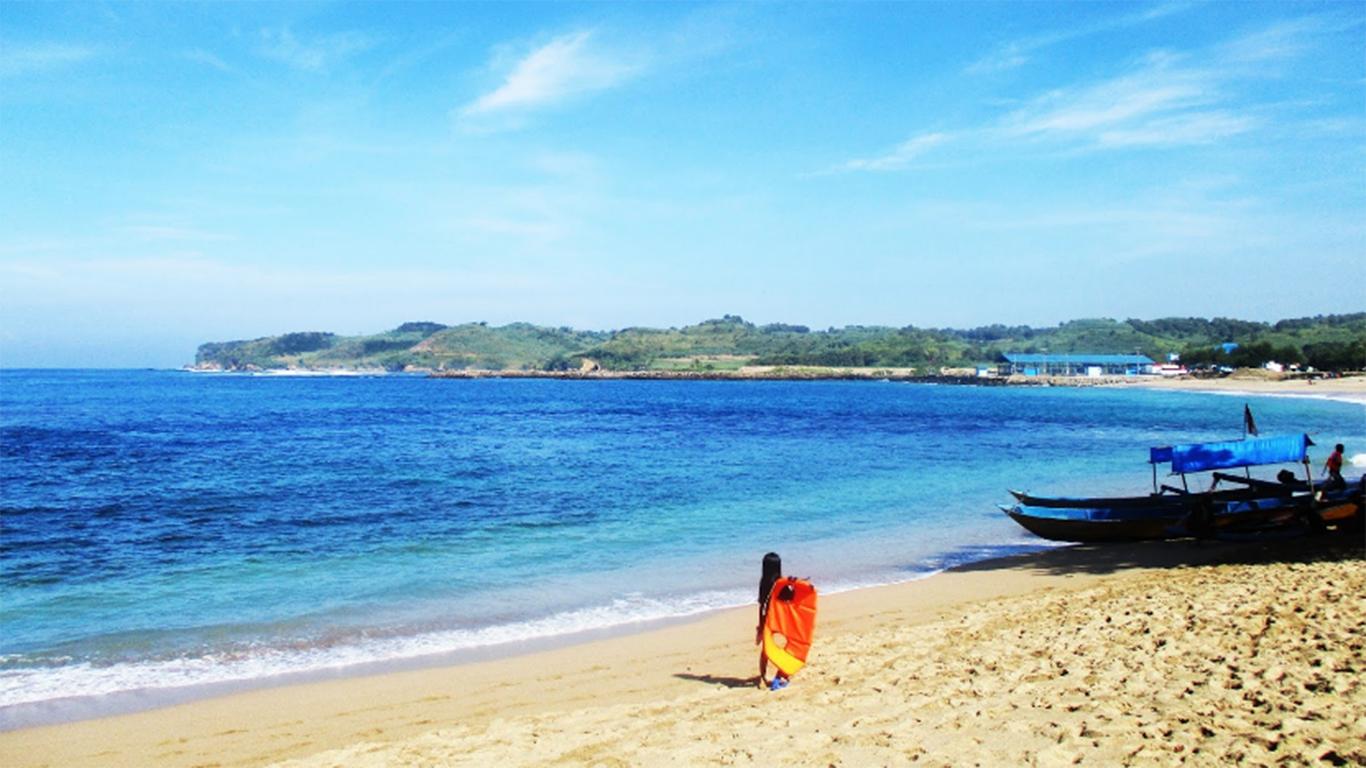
1201,457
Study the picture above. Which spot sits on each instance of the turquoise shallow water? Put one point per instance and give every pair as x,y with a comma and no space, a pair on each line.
164,530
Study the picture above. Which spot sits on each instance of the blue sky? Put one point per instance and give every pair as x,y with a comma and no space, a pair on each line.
182,173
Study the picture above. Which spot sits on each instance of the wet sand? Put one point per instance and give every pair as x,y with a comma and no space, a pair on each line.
1146,654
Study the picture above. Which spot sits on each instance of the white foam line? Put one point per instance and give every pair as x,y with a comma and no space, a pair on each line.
34,685
1337,397
85,680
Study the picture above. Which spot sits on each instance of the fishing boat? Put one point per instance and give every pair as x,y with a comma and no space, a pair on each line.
1174,512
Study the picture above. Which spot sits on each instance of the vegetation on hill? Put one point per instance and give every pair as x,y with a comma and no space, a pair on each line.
1331,342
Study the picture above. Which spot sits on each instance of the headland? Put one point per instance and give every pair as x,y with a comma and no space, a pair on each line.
731,347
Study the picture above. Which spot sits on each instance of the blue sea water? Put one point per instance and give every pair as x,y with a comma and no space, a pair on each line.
162,531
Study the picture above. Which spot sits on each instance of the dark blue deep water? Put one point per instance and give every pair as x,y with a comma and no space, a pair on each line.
165,529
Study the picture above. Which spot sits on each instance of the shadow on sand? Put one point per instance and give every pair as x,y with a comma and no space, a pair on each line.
724,682
1100,559
1291,546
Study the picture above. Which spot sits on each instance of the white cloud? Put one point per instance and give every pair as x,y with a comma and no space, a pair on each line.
899,157
1168,99
1017,53
204,57
37,57
1200,128
1006,57
162,232
564,68
1276,42
1165,99
318,54
1081,111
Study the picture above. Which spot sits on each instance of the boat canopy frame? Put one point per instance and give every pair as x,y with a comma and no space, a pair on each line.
1227,454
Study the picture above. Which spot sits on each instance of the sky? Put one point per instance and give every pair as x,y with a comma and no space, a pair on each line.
182,173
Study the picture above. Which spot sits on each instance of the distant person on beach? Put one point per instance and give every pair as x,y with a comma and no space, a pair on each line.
772,571
1333,468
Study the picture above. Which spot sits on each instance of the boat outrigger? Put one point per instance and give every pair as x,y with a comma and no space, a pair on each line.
1175,512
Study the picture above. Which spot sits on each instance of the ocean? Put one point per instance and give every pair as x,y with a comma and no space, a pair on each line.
167,535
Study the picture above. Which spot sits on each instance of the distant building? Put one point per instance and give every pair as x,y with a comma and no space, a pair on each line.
1075,365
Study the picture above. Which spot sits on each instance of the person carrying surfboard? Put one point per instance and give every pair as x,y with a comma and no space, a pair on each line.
772,571
787,622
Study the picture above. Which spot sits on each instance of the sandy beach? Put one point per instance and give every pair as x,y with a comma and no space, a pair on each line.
1148,654
1245,382
1351,389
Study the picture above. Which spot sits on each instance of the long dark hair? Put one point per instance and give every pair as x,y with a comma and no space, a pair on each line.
773,570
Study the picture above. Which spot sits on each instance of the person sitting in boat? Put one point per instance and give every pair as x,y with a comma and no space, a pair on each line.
1333,468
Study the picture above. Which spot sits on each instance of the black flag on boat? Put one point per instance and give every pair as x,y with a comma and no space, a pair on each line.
1249,425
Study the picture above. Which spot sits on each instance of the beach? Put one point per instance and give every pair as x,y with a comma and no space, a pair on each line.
1149,654
449,386
1350,389
1207,652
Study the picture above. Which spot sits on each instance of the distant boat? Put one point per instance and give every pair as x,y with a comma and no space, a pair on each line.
1171,512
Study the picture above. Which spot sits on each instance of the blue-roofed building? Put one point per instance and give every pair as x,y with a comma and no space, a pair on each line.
1044,364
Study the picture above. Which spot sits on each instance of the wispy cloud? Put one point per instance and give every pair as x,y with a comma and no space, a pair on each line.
163,232
899,157
1200,128
1016,53
316,54
206,58
21,59
1164,99
1129,100
1278,41
567,67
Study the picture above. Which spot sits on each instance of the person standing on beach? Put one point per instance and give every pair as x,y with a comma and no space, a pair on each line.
1333,468
772,571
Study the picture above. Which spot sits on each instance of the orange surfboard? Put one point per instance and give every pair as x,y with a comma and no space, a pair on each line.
791,624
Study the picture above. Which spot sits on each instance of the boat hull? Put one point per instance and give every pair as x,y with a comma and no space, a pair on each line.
1152,501
1200,515
1095,530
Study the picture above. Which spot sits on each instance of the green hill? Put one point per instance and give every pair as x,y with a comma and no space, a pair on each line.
1332,342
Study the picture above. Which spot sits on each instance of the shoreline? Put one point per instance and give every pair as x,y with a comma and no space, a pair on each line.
705,661
527,661
1348,389
124,701
1351,387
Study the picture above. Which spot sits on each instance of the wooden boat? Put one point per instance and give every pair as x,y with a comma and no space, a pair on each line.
1172,512
1169,499
1168,522
1085,525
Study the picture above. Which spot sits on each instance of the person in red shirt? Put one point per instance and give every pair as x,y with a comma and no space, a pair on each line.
1333,468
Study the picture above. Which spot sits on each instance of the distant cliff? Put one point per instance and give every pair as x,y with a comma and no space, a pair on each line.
1332,342
424,345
